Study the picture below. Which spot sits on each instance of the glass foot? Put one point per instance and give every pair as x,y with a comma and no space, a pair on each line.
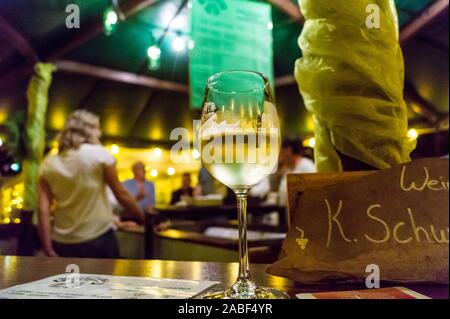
236,292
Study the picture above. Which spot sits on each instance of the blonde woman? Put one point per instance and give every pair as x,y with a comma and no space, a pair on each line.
74,183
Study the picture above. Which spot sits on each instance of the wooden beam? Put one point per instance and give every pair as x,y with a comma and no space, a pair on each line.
95,28
132,7
289,8
84,34
165,32
119,76
429,15
12,37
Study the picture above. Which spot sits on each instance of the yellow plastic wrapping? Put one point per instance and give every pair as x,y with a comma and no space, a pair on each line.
351,78
37,94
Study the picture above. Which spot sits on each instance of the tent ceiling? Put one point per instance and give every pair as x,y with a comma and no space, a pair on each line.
135,113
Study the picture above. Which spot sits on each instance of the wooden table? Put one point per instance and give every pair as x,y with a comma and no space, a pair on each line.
202,213
19,270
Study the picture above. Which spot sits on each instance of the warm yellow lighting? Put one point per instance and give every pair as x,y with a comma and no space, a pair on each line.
54,148
195,154
157,152
19,206
311,142
154,172
57,119
15,193
8,209
1,141
16,220
54,151
115,149
156,133
3,116
413,134
171,171
6,220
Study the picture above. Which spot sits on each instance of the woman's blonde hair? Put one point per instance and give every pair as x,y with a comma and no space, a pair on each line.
78,129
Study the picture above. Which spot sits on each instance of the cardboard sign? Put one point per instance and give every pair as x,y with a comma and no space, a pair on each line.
228,35
394,221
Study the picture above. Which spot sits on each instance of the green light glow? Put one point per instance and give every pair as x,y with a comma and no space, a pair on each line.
110,21
111,17
154,52
154,57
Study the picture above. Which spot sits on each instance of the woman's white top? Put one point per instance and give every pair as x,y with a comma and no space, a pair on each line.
76,178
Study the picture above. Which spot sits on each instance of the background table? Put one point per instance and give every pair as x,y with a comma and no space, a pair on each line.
19,270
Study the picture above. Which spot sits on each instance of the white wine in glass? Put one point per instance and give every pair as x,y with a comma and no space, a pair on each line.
240,144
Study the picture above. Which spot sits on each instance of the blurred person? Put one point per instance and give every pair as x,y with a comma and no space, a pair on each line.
260,190
73,189
185,190
292,161
142,190
206,183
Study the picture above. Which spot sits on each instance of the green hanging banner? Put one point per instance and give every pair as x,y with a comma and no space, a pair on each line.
229,35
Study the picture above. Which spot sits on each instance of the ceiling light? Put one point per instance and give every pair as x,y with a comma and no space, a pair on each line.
115,149
413,134
154,52
171,171
310,142
157,152
195,154
110,21
178,44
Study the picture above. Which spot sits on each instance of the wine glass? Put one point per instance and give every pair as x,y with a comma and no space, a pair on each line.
240,143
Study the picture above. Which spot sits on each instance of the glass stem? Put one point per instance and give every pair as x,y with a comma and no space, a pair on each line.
244,269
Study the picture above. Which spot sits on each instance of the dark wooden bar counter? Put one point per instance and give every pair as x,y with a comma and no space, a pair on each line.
18,270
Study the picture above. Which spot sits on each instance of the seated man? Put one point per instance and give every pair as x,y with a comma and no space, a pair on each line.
291,161
185,190
142,190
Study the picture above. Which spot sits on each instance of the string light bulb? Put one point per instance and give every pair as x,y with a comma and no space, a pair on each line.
154,57
110,21
111,17
178,44
195,154
413,134
115,149
311,142
15,167
154,52
154,172
157,152
171,171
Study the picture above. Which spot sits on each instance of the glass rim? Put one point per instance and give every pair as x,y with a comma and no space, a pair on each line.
218,74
